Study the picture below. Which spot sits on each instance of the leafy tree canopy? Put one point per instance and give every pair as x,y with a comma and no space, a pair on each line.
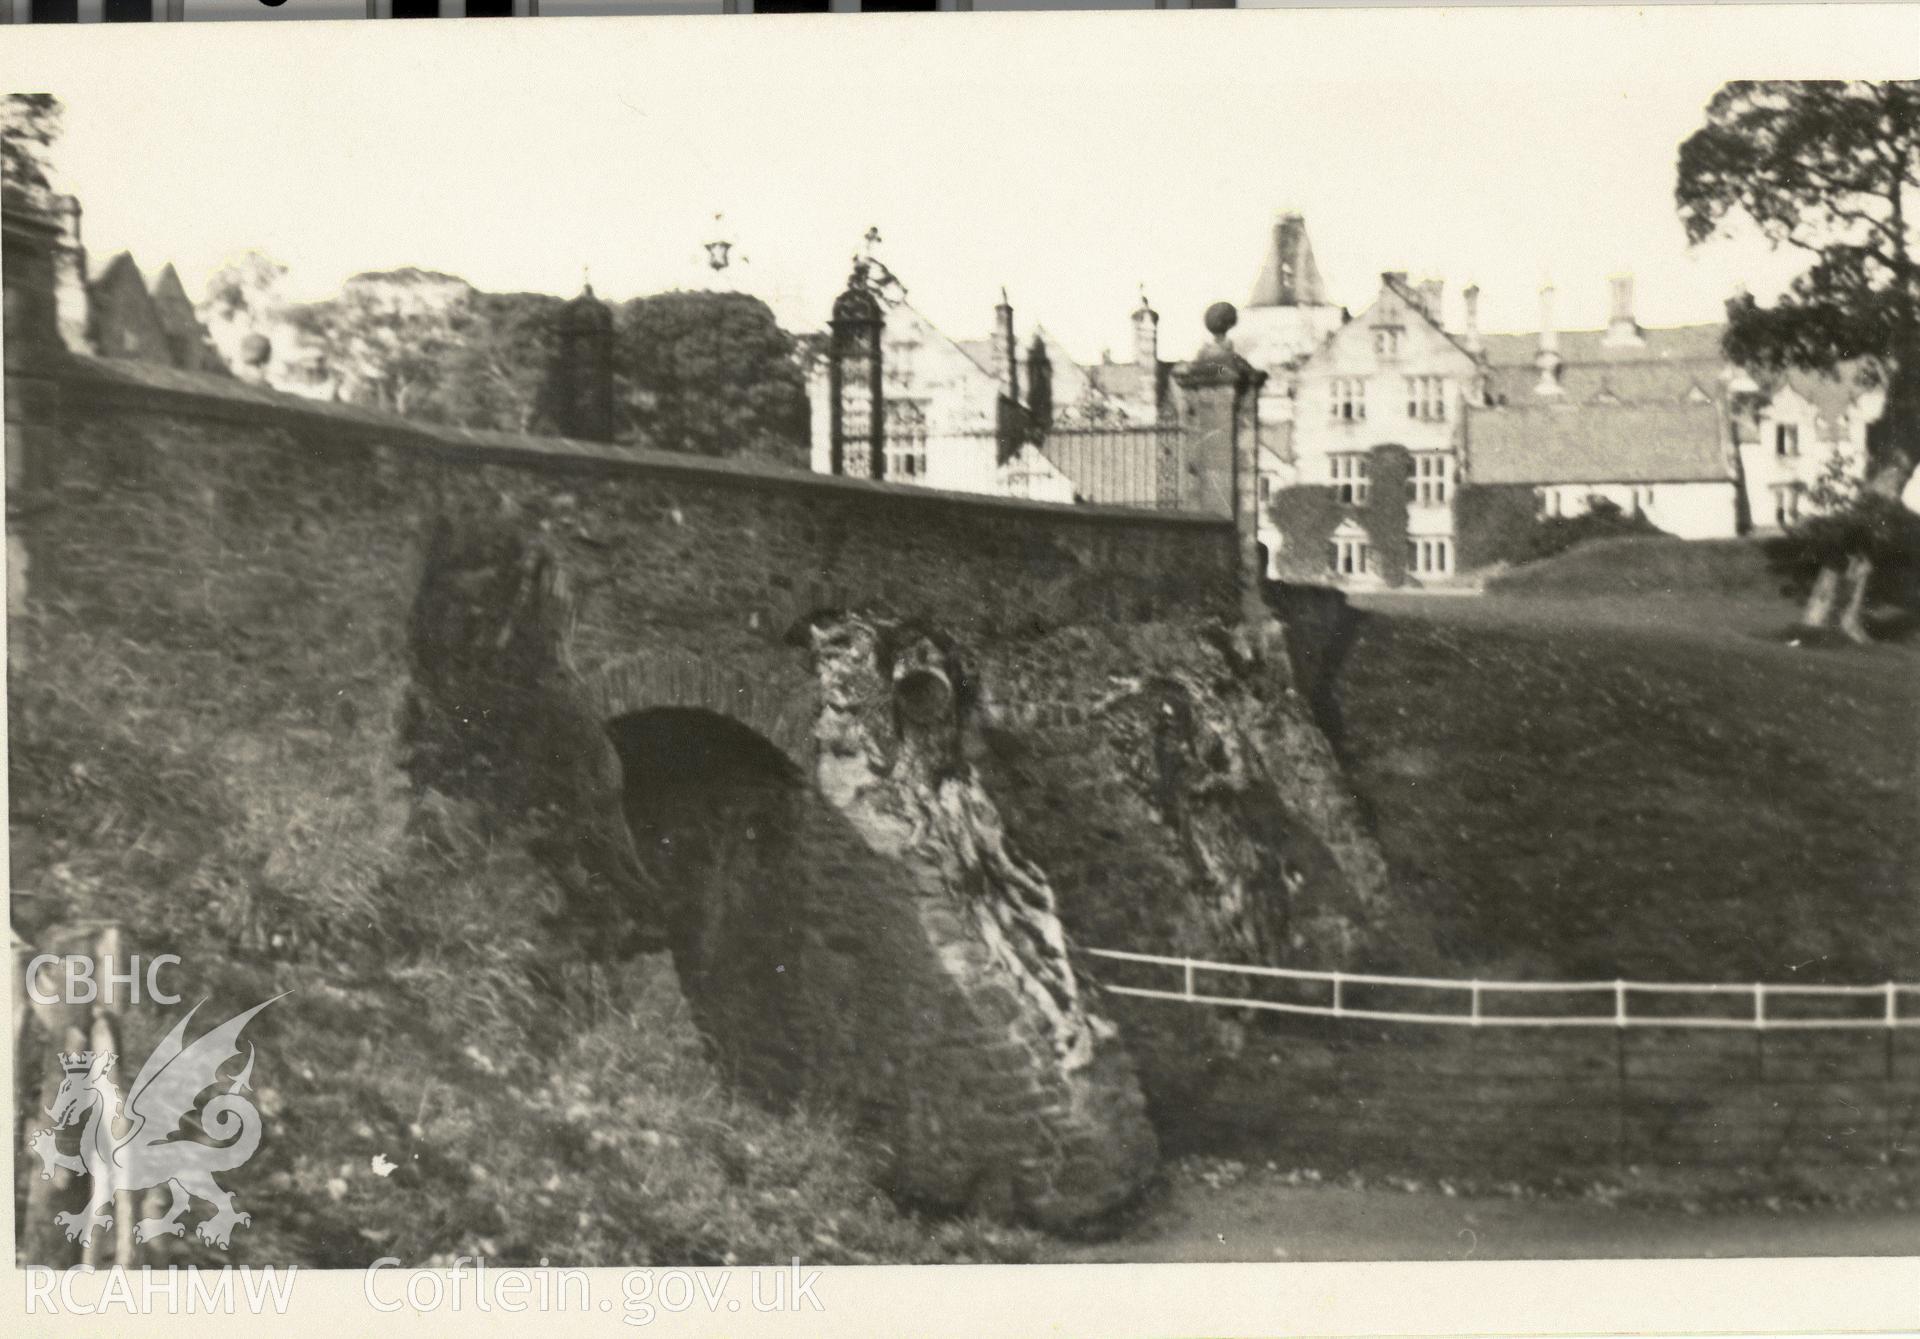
29,125
1832,168
709,373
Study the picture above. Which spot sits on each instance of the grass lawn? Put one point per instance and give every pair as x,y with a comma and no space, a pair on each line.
1638,785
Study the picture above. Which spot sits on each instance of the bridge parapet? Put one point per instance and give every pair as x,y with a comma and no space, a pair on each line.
519,595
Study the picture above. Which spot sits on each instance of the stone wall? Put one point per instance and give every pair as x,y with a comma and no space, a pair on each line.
1679,1113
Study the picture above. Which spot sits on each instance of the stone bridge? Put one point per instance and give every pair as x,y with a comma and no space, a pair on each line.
868,760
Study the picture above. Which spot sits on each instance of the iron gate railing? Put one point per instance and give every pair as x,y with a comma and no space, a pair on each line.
1150,467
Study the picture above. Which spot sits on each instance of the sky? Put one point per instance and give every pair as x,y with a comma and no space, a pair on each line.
1071,159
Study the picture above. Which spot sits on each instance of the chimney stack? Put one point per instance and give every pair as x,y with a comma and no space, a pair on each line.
1471,336
1146,335
1006,354
1622,328
1430,294
1548,359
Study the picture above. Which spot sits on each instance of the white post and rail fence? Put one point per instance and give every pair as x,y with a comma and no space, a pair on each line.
1499,1075
1885,1009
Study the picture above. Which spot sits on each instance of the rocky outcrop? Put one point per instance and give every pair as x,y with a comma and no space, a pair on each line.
864,937
1185,804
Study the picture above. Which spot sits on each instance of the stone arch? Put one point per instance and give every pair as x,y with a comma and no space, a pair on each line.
850,929
777,701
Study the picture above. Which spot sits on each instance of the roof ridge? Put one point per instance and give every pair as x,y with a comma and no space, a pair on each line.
1601,330
1557,405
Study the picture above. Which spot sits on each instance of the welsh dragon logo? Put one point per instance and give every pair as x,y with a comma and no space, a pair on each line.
152,1148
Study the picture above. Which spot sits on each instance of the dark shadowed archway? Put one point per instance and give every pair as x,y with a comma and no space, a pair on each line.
716,812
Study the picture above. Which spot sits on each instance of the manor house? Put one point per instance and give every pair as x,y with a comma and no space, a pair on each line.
1653,420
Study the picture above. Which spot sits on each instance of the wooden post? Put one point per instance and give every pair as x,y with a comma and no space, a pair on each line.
1620,1073
1888,1094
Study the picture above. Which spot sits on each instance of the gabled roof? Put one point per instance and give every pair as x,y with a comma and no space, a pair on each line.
170,296
1596,444
1071,383
122,318
1071,378
188,339
118,273
1833,395
1418,305
1664,367
979,351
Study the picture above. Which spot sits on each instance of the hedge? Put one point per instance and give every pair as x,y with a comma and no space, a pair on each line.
1491,523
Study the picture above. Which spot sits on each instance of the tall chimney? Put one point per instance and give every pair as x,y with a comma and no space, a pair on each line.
1547,360
1006,353
1622,328
1146,335
1471,336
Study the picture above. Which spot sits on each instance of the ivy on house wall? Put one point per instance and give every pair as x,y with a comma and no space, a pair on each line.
1306,516
1384,514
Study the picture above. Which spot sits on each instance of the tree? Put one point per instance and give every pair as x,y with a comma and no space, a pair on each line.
29,125
1831,168
389,337
492,378
712,374
244,290
1847,522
